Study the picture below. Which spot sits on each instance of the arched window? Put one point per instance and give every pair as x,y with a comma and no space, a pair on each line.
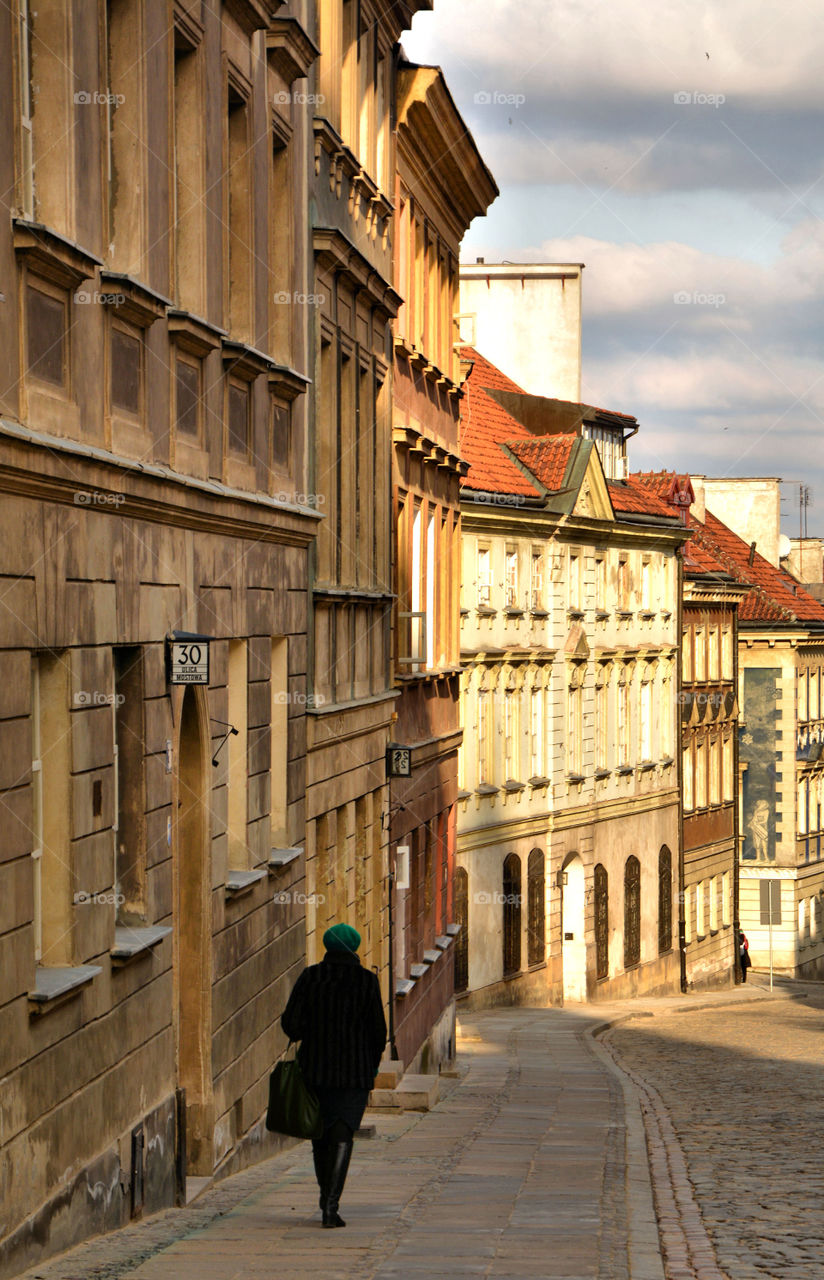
512,914
632,912
536,909
461,910
664,901
601,922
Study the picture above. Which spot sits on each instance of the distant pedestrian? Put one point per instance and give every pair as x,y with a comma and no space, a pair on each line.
336,1012
744,954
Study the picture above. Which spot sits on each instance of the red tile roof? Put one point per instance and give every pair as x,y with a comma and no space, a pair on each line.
546,457
485,426
629,496
775,595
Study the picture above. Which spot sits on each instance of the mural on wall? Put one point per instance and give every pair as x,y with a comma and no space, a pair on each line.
760,748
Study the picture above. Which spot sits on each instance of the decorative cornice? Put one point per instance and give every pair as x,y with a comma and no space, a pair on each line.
131,300
253,15
290,49
52,255
337,253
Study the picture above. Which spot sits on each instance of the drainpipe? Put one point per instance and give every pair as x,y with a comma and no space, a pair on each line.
679,763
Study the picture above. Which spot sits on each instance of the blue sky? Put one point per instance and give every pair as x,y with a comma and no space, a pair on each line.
675,149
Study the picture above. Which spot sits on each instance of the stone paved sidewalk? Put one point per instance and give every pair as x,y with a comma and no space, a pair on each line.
519,1171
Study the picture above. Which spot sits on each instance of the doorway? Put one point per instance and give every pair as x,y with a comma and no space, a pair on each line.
573,947
192,931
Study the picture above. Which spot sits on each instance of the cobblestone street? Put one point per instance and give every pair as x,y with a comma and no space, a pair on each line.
744,1089
537,1162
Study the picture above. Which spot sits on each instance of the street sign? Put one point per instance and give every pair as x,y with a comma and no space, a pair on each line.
187,658
399,762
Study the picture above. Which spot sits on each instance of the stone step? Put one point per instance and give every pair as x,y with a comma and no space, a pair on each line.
389,1074
412,1093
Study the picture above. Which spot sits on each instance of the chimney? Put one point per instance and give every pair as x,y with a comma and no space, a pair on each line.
699,508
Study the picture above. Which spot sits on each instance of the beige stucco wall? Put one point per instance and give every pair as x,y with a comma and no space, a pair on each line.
527,320
750,507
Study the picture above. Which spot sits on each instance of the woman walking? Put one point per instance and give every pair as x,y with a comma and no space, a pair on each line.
336,1012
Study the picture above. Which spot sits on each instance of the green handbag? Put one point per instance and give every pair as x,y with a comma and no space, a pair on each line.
293,1107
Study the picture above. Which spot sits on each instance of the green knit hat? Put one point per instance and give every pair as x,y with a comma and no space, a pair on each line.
341,937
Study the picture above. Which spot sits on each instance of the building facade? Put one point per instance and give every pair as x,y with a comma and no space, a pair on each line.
153,463
442,184
568,826
780,665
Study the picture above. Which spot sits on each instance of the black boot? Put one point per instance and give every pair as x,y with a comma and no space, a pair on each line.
339,1155
320,1155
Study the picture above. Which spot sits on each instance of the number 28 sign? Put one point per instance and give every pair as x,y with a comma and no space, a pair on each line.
188,659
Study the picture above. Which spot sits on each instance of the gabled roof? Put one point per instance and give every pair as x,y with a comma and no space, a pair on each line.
629,496
485,427
547,457
713,548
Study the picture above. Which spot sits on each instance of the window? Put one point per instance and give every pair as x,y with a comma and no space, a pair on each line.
624,722
25,112
687,778
126,370
601,922
239,417
815,695
511,578
646,719
461,913
129,827
701,775
574,585
536,909
512,914
802,695
714,748
188,186
665,718
51,788
728,769
281,436
726,900
700,654
483,736
700,914
802,826
575,729
431,571
237,753
727,658
664,901
632,912
686,655
713,904
714,672
601,725
278,742
646,586
484,578
601,584
187,396
688,930
511,761
238,220
536,732
46,334
623,585
536,581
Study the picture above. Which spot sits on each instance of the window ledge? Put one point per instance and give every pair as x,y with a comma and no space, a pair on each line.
485,611
624,614
667,761
575,778
52,255
443,941
487,789
454,929
539,613
624,770
646,614
512,785
538,782
240,882
51,985
431,956
600,774
646,765
403,986
279,858
464,795
130,942
601,615
512,611
576,615
418,971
